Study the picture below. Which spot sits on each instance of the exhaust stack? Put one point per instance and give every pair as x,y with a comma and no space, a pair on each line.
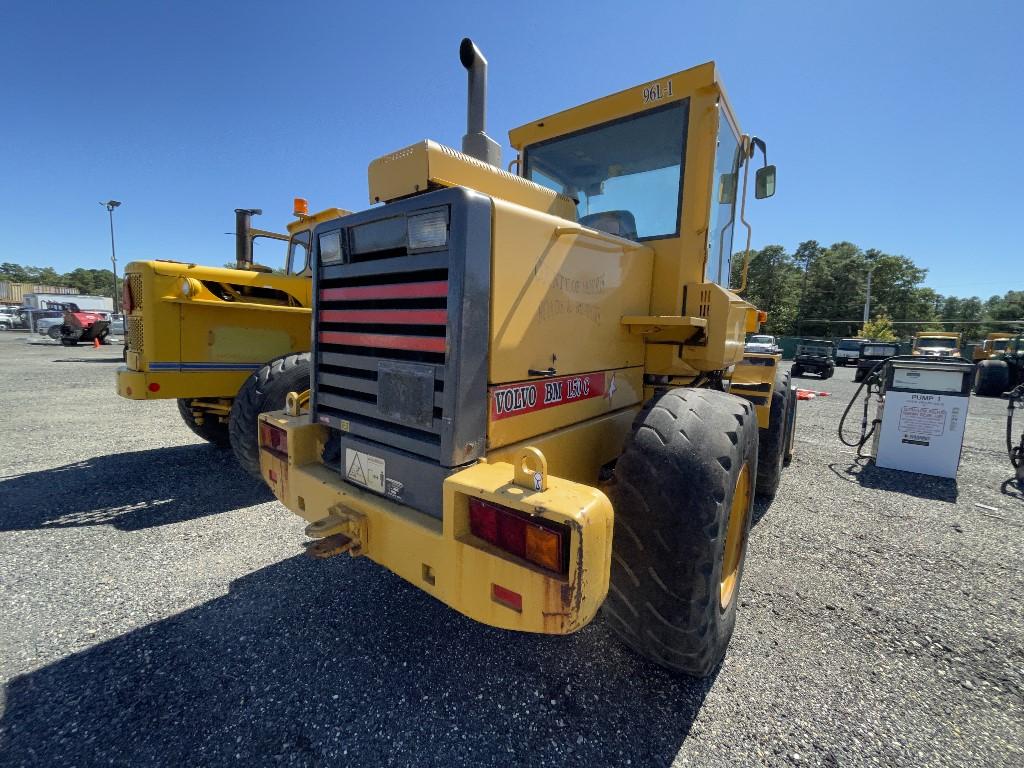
476,143
243,243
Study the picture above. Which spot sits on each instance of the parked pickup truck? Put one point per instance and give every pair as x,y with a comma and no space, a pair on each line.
847,351
762,344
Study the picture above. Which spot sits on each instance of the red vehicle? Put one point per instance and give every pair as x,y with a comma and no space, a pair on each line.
83,325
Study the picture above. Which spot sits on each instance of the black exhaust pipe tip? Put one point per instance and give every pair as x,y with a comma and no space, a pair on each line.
468,52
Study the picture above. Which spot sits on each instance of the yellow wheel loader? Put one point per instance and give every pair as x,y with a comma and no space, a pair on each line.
225,343
521,383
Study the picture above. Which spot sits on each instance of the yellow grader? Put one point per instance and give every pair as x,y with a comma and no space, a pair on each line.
225,343
520,395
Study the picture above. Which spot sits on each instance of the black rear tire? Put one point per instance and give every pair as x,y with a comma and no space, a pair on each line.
212,430
68,341
858,375
673,490
991,378
53,332
264,391
771,447
797,370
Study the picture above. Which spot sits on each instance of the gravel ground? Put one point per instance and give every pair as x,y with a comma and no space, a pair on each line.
156,611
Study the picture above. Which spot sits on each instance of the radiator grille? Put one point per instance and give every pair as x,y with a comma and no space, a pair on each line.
133,334
383,345
135,287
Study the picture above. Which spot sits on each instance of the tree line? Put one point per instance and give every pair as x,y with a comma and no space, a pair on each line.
818,291
92,282
814,291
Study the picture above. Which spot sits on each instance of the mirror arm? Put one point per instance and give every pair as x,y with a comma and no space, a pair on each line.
749,152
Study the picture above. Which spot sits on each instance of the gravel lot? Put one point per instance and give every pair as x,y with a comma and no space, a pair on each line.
156,611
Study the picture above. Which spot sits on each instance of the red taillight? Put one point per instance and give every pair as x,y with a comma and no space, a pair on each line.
153,386
273,439
127,304
540,541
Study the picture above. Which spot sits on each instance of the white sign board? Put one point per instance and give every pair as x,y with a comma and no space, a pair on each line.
922,433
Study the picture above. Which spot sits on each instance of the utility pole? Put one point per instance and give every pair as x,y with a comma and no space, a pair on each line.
110,205
867,301
803,289
870,255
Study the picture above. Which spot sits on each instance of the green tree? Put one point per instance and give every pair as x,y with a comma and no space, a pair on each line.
879,329
772,285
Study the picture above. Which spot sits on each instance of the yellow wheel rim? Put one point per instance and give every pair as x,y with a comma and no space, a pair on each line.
734,537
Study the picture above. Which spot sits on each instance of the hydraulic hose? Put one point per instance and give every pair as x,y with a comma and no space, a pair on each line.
1015,452
869,381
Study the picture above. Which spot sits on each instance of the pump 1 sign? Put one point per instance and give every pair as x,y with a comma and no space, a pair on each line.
527,397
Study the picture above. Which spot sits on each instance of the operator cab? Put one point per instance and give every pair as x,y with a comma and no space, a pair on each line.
300,235
636,164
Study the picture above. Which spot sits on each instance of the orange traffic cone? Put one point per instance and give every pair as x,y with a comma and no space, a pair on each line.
96,342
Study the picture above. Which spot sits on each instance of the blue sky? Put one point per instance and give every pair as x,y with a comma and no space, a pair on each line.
894,124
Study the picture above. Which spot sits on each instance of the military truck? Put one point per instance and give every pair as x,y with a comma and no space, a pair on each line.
814,356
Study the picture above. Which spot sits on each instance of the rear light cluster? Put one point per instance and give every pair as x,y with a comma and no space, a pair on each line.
539,541
274,439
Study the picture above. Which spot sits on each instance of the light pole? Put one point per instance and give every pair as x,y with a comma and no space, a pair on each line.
871,256
110,205
867,301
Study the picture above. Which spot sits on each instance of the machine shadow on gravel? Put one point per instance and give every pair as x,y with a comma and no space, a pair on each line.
130,491
340,662
865,472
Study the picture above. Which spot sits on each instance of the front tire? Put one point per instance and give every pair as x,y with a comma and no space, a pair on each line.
264,391
772,441
797,370
682,490
991,378
212,430
53,332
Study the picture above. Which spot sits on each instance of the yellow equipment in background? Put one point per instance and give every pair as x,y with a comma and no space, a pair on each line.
520,383
936,344
994,344
197,334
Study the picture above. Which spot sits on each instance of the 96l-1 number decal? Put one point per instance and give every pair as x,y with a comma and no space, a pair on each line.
657,92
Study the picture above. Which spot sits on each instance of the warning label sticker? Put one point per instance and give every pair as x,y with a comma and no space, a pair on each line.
919,422
365,470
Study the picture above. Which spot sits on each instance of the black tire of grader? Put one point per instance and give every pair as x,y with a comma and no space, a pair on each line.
772,442
672,490
264,391
991,378
212,431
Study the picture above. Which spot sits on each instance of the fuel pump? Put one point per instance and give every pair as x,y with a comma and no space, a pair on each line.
920,413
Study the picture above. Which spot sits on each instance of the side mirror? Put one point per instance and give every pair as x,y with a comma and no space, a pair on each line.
764,182
727,189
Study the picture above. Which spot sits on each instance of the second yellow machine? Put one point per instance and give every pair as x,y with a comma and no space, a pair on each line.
226,343
520,383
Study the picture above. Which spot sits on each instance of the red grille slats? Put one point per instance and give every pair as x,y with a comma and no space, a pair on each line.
426,290
386,316
385,341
